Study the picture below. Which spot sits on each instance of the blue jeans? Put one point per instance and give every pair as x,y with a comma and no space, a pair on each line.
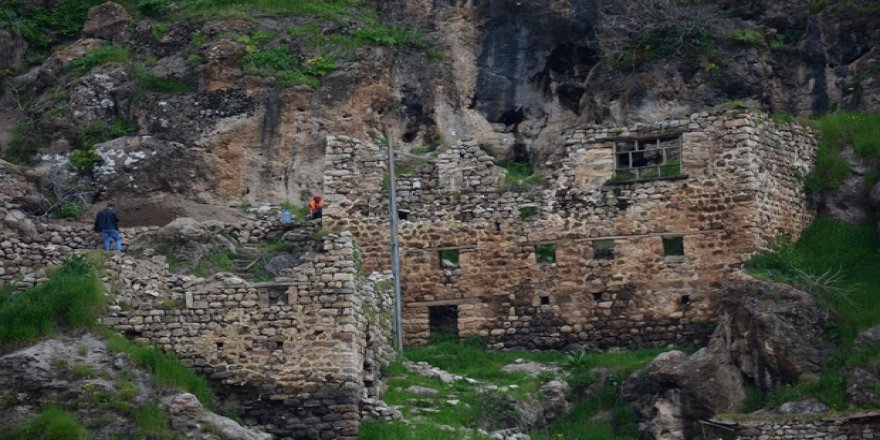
112,234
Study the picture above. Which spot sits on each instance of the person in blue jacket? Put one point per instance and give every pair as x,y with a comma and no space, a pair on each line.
107,222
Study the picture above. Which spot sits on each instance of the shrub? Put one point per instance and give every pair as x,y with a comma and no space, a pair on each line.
68,209
84,159
748,37
99,131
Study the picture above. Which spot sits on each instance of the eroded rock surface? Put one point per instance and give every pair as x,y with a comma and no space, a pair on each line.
769,335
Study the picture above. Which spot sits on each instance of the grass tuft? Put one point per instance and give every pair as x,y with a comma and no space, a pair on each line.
860,130
72,297
166,370
51,424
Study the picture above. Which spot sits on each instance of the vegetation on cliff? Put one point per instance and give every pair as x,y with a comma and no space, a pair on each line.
838,263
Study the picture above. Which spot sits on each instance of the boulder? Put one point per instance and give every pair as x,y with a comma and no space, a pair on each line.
769,335
109,21
806,406
188,414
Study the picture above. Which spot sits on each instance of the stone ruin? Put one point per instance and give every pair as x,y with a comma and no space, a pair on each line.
625,245
299,355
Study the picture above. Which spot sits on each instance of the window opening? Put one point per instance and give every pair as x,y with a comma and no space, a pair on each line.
443,320
647,158
545,300
603,249
673,246
219,345
449,258
685,299
545,253
597,296
402,215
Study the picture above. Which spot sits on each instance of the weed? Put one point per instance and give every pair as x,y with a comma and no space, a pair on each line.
527,212
152,422
51,424
862,131
748,37
214,263
99,131
520,176
165,369
151,83
83,371
72,297
100,56
68,209
84,160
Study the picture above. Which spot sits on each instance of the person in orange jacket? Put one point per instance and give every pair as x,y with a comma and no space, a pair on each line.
316,208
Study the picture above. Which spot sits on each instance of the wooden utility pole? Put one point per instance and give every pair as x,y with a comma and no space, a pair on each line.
395,248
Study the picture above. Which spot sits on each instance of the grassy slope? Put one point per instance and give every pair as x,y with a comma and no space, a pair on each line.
488,408
73,299
839,263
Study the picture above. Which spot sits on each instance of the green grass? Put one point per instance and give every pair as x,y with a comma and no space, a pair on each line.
469,358
417,431
152,423
51,424
214,263
520,176
839,264
100,56
579,423
72,297
151,83
166,370
100,131
861,130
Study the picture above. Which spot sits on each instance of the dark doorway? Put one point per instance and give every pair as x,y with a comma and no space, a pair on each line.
443,320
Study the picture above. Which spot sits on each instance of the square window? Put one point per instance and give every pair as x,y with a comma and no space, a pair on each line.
448,258
545,300
545,253
673,246
603,249
648,158
402,215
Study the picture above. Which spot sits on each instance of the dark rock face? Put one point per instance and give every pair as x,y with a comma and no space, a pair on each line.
769,335
525,47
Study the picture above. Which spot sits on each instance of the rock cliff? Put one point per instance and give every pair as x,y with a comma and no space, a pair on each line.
235,110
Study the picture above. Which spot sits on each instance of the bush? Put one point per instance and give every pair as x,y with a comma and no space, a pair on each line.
99,131
84,159
68,209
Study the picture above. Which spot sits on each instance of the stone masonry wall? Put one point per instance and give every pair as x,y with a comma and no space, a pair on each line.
861,426
298,354
738,189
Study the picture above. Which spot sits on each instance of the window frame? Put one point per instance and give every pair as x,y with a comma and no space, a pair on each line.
668,168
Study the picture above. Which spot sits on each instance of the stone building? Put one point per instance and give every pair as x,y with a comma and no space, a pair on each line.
624,243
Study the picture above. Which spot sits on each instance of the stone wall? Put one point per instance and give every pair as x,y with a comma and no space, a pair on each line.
738,189
859,426
24,259
296,355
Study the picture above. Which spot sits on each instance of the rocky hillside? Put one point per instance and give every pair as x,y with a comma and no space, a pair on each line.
229,103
